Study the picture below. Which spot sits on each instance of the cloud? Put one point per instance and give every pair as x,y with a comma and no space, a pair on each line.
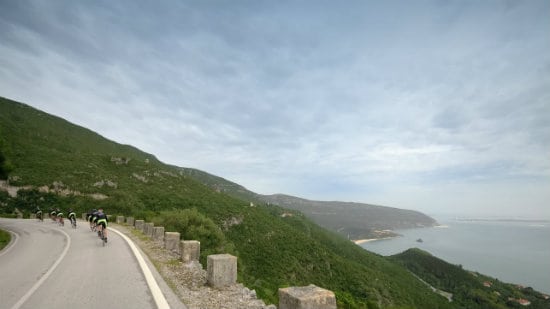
360,101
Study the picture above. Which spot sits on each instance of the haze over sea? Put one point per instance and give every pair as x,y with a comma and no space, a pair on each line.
511,251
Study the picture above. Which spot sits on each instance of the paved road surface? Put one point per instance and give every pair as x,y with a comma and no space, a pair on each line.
87,275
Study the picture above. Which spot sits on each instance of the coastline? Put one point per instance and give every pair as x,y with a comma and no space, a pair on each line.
362,241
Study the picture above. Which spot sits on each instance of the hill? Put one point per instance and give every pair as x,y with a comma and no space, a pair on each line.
352,220
469,289
58,164
355,220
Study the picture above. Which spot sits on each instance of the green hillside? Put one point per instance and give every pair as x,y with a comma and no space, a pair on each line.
64,165
469,289
5,238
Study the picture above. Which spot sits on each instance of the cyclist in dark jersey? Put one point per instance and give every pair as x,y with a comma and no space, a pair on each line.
39,214
53,215
60,217
102,222
72,217
91,215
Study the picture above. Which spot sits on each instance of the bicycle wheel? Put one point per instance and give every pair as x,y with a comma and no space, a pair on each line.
102,238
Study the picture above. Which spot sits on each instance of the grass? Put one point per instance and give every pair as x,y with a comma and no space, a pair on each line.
5,238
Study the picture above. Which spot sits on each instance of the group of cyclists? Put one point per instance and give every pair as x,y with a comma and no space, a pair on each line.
57,215
96,217
98,222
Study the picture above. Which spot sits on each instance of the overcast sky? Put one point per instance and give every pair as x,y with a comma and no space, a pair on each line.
438,106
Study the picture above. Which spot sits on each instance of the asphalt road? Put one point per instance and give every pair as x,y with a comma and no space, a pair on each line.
59,267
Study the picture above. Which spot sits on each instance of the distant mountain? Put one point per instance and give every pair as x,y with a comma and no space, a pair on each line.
355,220
352,220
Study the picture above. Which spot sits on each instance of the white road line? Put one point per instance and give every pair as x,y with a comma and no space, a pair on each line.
46,275
12,243
160,300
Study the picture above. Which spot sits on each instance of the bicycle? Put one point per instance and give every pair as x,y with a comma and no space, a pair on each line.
102,237
72,217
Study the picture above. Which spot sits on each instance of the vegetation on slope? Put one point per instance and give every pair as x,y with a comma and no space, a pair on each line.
4,164
5,238
469,289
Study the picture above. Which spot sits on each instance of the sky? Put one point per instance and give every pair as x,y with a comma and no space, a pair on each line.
437,106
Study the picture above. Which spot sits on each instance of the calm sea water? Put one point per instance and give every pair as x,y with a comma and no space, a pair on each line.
514,252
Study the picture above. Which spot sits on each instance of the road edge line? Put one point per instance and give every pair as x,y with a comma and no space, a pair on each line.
158,296
29,293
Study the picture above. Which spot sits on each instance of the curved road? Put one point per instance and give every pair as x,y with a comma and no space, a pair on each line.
48,266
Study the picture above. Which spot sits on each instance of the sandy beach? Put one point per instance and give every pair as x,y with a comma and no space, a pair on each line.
362,241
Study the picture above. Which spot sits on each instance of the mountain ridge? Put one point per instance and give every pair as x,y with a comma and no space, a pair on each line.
359,221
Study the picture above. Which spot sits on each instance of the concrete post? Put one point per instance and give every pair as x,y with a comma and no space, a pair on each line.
190,250
172,241
306,297
222,270
110,218
140,224
84,216
158,233
119,219
32,216
130,221
148,229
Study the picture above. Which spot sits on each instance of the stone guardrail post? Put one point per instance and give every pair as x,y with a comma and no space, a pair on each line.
130,221
306,297
190,250
148,229
158,233
221,270
140,224
172,241
84,216
119,219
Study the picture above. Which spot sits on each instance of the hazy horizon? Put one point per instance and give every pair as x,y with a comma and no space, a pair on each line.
440,107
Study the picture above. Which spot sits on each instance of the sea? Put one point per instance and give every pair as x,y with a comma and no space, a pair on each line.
511,251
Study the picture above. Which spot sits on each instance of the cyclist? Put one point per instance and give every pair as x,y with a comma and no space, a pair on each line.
102,223
60,217
90,216
72,217
39,214
53,215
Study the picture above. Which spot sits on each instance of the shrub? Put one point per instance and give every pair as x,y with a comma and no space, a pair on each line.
193,225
